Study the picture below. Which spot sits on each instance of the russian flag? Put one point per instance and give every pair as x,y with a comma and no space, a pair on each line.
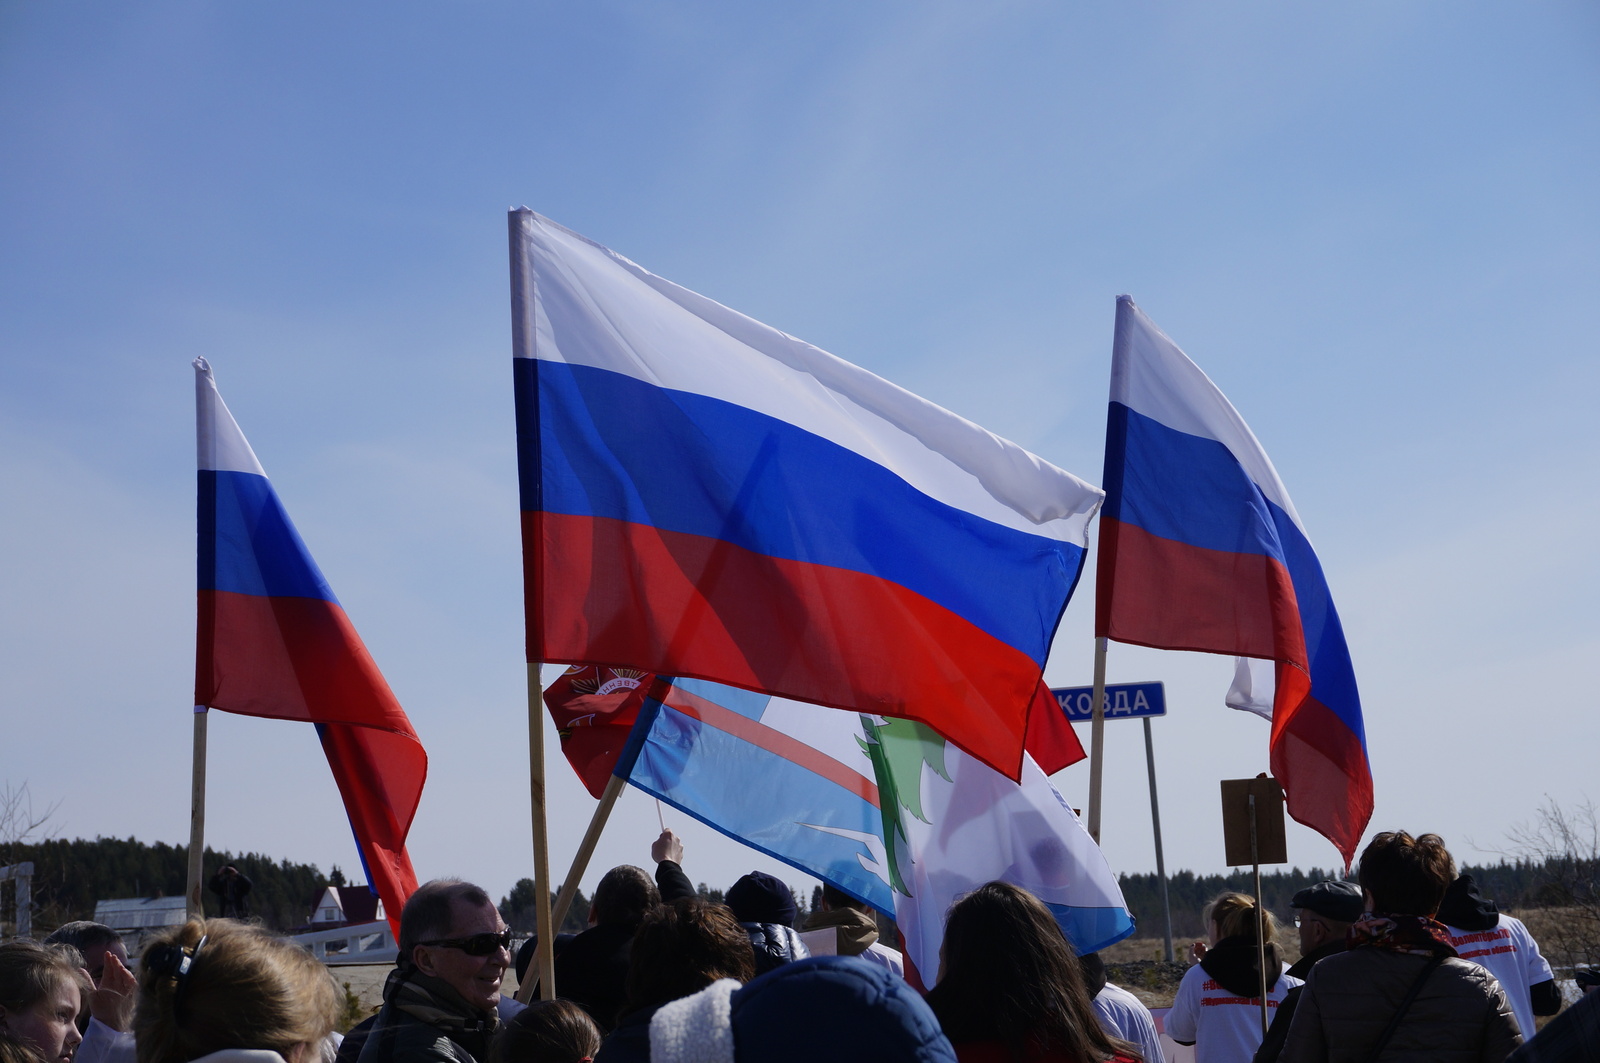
705,496
273,641
1201,549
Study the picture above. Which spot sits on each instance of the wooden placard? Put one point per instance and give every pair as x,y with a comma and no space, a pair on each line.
1272,846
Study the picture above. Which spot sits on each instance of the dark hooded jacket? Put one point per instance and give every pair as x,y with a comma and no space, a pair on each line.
1233,962
761,902
1465,908
765,908
1458,1015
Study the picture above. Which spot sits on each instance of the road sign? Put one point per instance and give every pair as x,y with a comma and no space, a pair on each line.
1124,701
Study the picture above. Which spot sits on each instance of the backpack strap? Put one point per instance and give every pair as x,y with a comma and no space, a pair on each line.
1405,1006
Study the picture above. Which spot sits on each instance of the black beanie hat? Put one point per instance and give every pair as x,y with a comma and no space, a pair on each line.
762,898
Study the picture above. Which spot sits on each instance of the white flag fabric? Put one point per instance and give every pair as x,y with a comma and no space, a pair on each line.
883,808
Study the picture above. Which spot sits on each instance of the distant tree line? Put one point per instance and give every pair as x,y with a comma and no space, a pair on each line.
517,908
1512,885
70,876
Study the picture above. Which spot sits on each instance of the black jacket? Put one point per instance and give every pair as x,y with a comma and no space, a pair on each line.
774,945
1283,1014
673,884
592,971
630,1041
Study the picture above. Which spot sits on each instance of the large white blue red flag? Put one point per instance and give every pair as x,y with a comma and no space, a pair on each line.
882,808
1201,549
703,495
273,641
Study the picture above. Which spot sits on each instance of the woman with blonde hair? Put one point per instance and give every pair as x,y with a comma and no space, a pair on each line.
42,990
232,993
1218,1006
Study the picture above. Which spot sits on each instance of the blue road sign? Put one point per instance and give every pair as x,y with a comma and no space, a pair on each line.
1124,701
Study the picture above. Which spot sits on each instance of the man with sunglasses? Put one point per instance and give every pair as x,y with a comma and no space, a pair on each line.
441,1002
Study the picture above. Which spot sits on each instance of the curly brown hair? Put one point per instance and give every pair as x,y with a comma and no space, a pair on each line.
681,948
1406,875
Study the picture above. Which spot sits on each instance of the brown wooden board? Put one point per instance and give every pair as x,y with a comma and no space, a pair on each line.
1271,843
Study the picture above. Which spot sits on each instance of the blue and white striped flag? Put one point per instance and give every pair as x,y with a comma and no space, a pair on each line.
884,809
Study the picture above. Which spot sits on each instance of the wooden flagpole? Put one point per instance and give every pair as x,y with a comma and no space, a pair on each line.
197,818
541,830
569,887
522,340
1097,737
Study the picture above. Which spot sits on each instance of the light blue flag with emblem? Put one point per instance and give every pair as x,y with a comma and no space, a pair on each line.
884,809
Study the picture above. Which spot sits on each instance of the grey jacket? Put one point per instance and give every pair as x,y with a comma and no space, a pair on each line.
1460,1016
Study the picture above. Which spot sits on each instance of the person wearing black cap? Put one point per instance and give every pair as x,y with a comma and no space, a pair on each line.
1323,913
765,908
762,903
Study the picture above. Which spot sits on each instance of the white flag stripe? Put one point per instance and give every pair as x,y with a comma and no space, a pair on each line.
221,445
1151,375
658,332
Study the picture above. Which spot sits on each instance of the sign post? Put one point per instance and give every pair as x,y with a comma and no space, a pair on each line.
1155,822
1128,701
1252,833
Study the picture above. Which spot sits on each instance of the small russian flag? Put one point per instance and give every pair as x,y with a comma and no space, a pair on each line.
273,641
1201,549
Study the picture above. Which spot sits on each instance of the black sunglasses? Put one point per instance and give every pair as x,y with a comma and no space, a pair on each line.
476,945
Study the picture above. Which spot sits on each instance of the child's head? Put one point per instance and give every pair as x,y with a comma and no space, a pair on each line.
549,1031
42,990
214,983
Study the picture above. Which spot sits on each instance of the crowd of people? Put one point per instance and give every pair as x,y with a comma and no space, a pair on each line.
1409,962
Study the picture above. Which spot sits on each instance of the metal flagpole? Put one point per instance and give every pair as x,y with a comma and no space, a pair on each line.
1097,737
197,818
1155,821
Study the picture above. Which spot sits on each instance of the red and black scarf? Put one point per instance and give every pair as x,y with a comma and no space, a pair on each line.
1415,934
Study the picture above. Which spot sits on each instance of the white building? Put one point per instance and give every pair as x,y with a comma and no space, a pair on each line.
138,918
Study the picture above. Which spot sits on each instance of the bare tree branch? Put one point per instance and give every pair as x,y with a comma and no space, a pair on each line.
1563,845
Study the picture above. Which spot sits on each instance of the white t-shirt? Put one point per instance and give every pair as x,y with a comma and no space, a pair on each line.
1509,953
1124,1015
1224,1028
882,955
102,1044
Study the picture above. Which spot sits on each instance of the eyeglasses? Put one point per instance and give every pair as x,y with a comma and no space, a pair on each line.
476,945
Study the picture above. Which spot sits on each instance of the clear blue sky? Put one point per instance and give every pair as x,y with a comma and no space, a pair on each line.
1374,224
